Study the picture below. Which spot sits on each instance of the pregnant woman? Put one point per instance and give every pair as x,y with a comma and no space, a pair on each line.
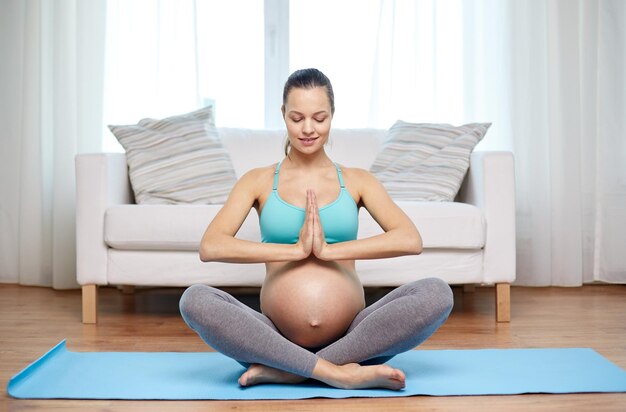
314,323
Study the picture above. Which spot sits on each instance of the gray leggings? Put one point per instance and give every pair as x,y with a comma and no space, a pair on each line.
396,323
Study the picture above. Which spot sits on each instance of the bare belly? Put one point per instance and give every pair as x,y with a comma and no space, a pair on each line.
311,302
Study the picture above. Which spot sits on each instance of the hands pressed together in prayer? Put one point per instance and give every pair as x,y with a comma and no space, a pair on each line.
312,239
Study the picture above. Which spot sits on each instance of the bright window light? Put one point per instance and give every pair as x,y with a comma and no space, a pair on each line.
387,60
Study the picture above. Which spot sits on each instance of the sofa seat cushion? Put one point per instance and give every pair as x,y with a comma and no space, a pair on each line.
442,225
445,225
165,227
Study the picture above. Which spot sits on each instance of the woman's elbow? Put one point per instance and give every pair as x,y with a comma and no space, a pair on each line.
204,253
208,251
418,247
414,244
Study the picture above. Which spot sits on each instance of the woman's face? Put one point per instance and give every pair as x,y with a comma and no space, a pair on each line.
307,116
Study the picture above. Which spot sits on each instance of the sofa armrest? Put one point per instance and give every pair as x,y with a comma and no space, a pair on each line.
101,181
490,185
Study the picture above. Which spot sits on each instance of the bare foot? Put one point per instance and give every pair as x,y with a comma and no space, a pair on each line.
355,376
257,374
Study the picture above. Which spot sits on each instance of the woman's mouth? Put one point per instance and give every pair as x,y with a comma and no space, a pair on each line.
308,141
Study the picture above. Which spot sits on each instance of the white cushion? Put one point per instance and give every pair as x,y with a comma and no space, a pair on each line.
179,159
180,227
426,161
455,266
355,147
442,225
250,148
165,227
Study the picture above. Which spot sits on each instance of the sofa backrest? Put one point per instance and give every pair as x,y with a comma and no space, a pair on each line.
250,148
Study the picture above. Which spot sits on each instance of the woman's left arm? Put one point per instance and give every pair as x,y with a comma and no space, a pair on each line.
400,236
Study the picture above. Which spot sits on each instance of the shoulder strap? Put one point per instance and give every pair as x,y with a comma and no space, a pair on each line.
276,175
339,175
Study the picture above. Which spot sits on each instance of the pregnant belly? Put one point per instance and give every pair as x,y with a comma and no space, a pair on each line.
312,303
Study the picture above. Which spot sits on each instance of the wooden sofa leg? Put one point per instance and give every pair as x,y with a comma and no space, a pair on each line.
90,303
503,302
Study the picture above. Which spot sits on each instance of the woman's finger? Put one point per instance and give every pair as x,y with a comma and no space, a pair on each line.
316,209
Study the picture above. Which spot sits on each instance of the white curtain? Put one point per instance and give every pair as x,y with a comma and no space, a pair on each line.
170,57
568,117
151,67
51,75
551,76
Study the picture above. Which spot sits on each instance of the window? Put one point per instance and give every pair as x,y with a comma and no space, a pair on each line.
387,60
231,60
166,58
340,39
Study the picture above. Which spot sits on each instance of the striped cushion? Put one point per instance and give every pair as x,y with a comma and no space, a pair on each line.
179,159
426,161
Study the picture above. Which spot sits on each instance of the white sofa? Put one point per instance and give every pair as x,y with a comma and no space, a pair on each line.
469,241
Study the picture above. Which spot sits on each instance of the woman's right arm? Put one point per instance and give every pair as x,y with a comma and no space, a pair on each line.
219,243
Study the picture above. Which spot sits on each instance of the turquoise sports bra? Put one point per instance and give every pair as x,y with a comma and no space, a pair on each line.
281,221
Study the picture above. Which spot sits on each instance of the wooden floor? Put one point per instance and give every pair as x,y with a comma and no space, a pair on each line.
33,319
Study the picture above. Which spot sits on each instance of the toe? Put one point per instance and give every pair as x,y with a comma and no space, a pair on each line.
244,379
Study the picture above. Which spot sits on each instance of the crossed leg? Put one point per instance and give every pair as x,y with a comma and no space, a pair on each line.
398,322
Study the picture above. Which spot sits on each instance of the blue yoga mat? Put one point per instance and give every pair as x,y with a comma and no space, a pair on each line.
208,375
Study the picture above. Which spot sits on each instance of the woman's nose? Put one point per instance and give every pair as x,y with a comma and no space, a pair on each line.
308,127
